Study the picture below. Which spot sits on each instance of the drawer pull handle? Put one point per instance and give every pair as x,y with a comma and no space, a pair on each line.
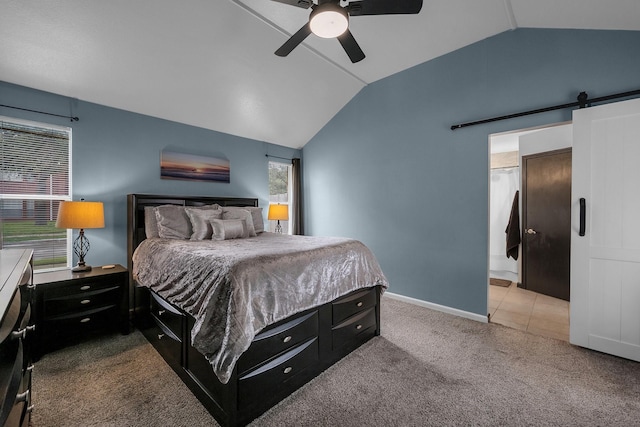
288,369
85,320
22,333
358,327
161,312
359,304
30,408
30,368
85,301
287,338
85,288
160,336
22,397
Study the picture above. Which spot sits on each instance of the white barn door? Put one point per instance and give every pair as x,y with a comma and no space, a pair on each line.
605,262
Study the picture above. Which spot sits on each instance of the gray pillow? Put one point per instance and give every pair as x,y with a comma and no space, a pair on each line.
200,225
150,222
173,222
233,212
226,229
258,219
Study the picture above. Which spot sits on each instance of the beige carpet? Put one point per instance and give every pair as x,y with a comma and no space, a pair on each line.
427,369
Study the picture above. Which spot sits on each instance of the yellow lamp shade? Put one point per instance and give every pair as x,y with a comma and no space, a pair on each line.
80,215
278,212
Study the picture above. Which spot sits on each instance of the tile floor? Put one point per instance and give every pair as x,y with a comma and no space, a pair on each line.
529,311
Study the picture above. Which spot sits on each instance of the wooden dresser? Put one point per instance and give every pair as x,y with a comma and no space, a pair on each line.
16,289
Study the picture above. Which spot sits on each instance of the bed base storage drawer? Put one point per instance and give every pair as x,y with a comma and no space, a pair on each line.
165,342
277,339
167,314
281,358
271,379
165,330
353,303
362,324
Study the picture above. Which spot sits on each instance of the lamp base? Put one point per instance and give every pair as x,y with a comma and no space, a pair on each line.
81,268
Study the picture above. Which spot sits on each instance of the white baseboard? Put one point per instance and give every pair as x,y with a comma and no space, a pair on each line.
438,307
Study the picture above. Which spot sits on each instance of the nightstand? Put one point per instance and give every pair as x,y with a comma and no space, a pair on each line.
70,306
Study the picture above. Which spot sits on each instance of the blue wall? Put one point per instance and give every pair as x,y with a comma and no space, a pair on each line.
116,152
389,171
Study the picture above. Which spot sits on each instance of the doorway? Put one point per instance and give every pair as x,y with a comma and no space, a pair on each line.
514,306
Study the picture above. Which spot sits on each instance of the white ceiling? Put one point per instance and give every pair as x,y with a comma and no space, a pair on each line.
210,63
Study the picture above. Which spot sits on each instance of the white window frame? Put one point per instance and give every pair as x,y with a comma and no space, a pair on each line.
289,193
67,197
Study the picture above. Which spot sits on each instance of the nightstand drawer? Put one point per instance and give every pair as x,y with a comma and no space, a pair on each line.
352,304
81,301
78,288
71,324
276,340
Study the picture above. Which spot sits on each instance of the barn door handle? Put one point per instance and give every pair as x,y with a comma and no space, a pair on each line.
583,215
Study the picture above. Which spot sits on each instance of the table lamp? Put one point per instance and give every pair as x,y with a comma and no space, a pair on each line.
80,215
278,212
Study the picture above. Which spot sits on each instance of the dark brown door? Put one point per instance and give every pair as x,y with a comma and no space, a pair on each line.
546,207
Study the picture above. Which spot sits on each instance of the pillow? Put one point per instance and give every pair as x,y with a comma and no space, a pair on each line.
226,229
173,222
150,222
256,215
200,225
240,213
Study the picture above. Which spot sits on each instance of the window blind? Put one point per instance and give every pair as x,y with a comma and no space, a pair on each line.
34,178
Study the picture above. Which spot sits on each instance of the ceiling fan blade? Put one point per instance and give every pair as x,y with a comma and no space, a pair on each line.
294,41
305,4
351,46
384,7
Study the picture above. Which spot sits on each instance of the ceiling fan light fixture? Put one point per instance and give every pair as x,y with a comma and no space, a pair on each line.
328,20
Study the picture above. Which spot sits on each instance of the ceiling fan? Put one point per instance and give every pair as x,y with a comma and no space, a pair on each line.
328,19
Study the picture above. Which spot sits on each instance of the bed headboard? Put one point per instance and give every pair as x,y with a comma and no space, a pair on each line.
135,219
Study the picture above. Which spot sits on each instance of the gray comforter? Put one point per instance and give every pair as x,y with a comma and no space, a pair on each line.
234,288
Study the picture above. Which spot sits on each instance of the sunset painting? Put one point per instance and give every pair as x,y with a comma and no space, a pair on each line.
193,168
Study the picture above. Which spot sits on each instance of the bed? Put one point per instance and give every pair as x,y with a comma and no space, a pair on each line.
245,322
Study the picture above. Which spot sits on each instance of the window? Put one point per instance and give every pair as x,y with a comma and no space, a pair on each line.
280,191
34,178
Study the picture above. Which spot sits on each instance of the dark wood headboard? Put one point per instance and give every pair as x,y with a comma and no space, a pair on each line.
135,219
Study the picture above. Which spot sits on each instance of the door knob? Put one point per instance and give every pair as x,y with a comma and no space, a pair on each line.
530,231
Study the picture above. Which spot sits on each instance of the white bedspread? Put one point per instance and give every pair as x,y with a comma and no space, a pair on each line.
234,288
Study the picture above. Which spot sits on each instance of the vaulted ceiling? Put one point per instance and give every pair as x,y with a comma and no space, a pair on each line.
211,63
